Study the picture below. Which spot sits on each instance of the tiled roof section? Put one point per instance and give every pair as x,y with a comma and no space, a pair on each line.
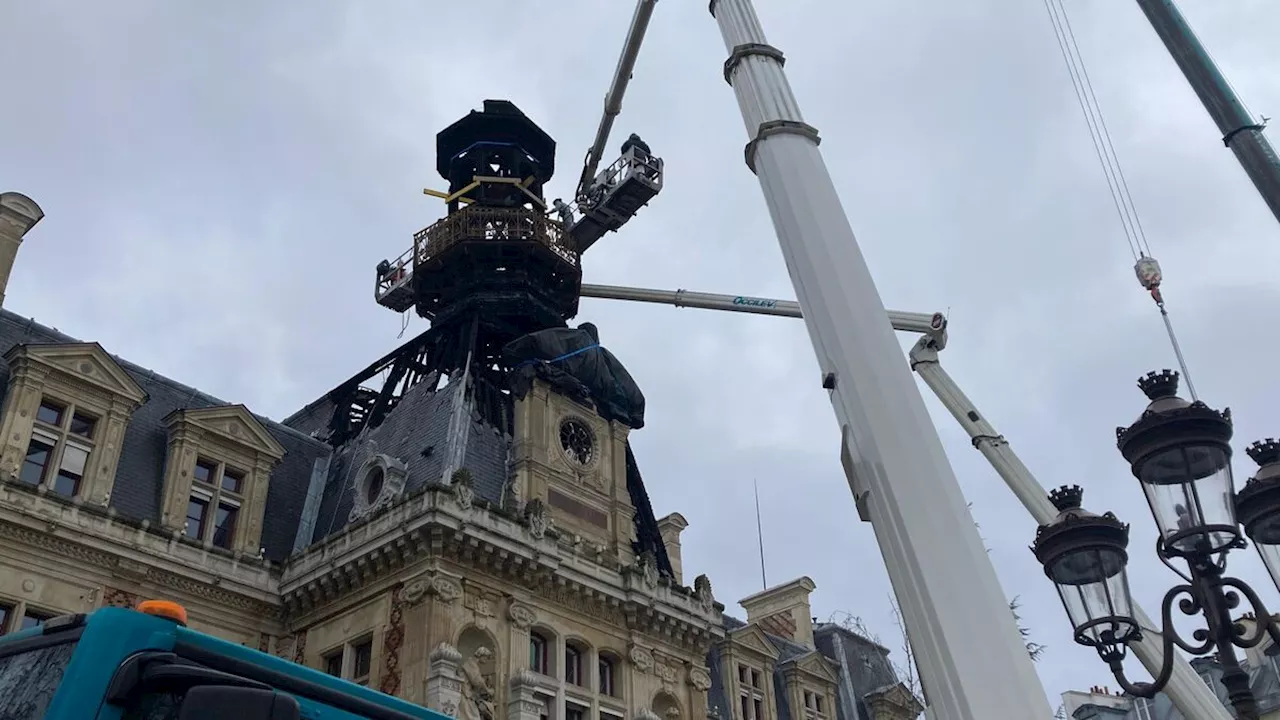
861,664
718,705
416,432
138,486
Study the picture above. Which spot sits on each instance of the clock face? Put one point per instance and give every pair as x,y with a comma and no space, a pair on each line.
577,442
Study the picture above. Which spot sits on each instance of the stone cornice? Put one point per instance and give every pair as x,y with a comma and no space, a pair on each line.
131,551
433,524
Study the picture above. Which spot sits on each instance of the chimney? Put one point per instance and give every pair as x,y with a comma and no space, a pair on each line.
18,214
783,610
670,528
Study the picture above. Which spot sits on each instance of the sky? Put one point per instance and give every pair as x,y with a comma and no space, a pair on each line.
220,179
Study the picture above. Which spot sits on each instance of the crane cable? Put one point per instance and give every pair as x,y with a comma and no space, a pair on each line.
1145,265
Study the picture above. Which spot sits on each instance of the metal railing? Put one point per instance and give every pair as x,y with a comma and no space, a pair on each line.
477,223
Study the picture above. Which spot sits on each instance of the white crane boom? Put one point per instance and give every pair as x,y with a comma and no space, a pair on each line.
1187,691
905,321
617,88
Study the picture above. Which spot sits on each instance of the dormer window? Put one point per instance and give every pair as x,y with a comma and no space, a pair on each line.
814,706
215,503
58,454
217,471
750,693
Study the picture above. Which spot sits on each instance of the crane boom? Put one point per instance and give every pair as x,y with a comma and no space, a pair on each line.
904,321
1187,691
618,88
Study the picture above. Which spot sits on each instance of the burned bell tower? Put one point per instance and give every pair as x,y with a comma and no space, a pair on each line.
493,269
497,267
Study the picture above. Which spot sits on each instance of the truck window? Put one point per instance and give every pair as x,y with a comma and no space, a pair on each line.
29,678
154,706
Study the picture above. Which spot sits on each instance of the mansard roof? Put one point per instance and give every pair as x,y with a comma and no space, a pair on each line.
139,478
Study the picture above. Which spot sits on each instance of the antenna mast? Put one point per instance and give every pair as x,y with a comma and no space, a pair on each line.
1240,131
764,583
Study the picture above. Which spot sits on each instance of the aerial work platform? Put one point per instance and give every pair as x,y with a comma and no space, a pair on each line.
616,195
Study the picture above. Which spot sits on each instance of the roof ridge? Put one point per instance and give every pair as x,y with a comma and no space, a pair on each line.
150,374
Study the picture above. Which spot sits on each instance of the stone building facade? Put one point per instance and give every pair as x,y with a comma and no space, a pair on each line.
485,573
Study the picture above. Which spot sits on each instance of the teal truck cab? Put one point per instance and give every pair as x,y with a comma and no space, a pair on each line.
145,664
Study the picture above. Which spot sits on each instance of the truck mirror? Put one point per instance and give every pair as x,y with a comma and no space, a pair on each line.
217,702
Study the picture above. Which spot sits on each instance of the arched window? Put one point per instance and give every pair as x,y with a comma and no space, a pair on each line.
539,660
574,672
605,671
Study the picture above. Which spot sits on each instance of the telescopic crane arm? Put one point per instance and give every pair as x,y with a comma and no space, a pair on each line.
1185,687
618,88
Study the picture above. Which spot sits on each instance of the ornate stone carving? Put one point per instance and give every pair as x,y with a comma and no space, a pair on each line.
521,615
646,714
640,658
702,592
444,688
445,588
700,679
537,518
647,565
664,672
574,601
444,653
391,644
477,694
377,484
450,708
461,485
479,604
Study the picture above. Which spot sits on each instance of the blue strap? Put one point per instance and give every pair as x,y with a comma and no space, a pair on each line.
566,356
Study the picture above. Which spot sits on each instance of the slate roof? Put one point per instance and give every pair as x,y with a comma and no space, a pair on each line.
861,665
136,494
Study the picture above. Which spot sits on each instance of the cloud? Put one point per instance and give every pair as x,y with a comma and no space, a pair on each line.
220,181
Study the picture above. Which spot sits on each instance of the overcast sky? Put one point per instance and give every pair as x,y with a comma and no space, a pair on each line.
221,178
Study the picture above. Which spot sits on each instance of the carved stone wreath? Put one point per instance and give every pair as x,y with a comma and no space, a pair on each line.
378,483
700,679
640,658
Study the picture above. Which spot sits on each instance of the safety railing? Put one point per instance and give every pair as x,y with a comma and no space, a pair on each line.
478,223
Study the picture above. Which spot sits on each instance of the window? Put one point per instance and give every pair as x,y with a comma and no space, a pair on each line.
28,680
605,670
33,618
58,453
362,663
538,660
1145,709
353,661
813,705
333,663
573,666
574,712
750,693
214,505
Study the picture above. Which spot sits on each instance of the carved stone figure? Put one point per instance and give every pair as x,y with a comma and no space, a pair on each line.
647,564
536,516
461,484
702,591
477,693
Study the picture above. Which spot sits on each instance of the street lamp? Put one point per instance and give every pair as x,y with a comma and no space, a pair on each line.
1179,451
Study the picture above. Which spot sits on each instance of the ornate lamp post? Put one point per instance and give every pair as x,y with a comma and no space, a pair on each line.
1180,453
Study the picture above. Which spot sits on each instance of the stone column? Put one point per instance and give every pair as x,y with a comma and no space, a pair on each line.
523,700
18,214
444,688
